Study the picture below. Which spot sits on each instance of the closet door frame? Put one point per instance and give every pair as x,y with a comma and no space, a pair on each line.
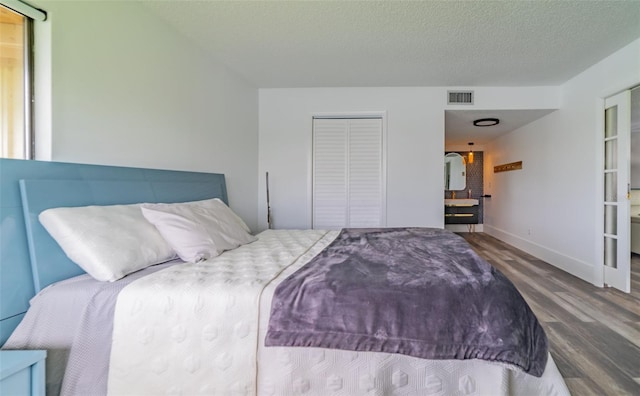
349,115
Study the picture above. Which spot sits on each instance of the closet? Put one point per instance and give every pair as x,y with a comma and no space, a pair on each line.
348,173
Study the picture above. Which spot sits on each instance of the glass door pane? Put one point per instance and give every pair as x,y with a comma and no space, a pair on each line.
610,219
610,252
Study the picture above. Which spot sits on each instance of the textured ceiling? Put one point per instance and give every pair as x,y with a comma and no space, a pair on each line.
401,43
287,44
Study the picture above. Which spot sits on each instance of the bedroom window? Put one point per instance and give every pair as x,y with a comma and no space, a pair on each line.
16,77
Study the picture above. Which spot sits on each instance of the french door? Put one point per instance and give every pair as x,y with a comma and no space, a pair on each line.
617,156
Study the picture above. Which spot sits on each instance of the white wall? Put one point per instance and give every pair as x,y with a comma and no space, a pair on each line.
552,207
415,144
129,90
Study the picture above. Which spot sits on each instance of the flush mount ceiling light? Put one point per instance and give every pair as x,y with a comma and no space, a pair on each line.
485,122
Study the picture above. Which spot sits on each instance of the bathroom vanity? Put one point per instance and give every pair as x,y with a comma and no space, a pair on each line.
461,211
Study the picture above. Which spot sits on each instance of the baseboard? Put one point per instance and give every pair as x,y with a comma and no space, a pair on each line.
568,264
464,227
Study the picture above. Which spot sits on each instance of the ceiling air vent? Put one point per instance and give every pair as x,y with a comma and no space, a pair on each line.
460,97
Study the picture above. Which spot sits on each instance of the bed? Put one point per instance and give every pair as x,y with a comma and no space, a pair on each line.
208,326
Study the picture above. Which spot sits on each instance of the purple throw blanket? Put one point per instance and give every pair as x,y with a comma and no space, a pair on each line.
421,292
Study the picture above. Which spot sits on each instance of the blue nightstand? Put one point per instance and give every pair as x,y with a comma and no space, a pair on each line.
22,373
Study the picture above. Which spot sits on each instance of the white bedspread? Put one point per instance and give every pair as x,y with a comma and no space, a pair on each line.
199,329
199,322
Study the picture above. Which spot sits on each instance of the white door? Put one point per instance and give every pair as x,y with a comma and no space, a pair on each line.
617,157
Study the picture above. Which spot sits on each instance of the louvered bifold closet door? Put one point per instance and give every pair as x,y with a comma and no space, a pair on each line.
365,173
347,173
329,173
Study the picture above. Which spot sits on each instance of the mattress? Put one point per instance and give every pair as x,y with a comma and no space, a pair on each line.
268,370
287,371
72,319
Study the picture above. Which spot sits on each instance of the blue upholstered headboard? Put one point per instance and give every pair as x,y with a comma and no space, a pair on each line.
29,258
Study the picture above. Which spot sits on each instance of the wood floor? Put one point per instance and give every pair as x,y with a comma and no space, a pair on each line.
594,333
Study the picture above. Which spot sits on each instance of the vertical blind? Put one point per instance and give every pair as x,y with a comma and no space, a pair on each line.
16,78
347,173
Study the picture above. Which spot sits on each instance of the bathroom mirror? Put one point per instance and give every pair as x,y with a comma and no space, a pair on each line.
455,172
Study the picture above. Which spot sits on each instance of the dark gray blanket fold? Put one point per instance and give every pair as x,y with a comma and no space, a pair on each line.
416,291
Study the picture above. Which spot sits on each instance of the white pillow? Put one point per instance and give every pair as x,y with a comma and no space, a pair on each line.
108,242
198,230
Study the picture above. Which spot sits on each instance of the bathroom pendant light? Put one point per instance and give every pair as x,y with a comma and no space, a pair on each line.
470,156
